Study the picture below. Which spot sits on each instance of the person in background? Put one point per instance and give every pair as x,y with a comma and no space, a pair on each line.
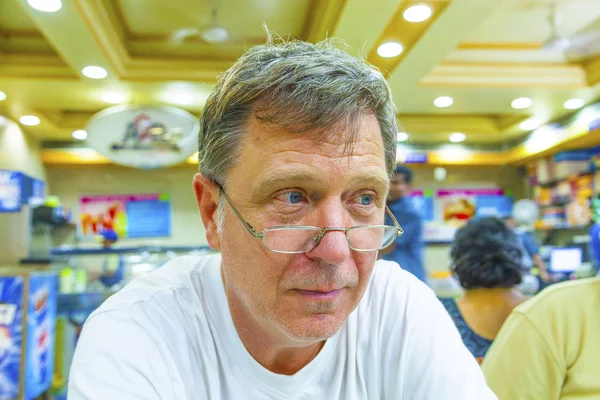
549,347
531,254
113,266
297,145
486,259
407,250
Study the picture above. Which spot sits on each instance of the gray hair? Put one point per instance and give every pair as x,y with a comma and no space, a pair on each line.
299,87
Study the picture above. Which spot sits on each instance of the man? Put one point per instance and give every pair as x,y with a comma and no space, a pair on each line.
296,145
407,250
548,348
531,252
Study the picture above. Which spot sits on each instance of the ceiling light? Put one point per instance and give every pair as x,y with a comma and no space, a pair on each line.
2,96
79,134
390,49
113,97
417,13
181,98
457,137
94,72
402,137
30,120
529,124
573,104
443,101
45,5
521,102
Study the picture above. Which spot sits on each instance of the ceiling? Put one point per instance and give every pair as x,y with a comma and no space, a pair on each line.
482,53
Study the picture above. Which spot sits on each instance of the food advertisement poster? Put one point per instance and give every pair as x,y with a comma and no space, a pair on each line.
129,215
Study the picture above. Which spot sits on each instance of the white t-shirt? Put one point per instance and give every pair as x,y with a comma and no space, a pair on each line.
169,335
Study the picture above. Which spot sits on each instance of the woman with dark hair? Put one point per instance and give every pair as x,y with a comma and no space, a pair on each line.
486,259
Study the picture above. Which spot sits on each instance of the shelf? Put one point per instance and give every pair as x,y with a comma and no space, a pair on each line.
557,228
555,182
81,301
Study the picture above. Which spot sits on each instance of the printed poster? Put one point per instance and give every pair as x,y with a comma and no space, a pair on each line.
130,216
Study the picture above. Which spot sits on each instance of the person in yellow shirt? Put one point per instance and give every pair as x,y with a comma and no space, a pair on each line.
549,347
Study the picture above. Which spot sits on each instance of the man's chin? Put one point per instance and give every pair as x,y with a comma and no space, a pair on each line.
314,328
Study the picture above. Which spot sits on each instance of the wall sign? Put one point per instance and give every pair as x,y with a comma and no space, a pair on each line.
11,185
144,137
130,216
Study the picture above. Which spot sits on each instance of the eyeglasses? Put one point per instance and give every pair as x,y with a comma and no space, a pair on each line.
292,239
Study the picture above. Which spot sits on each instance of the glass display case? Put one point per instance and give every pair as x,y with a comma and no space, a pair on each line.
87,277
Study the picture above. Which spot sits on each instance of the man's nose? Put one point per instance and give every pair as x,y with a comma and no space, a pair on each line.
333,247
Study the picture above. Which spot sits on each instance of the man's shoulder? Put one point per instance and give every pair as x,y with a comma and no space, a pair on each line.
393,288
566,297
178,275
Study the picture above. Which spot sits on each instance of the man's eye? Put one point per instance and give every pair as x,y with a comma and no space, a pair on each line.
293,197
365,199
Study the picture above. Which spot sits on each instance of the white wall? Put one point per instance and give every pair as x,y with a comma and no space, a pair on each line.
70,182
19,151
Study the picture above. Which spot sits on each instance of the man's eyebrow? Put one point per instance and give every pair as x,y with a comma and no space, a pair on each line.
299,178
379,181
285,179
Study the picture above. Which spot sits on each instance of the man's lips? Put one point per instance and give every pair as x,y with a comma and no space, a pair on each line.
320,294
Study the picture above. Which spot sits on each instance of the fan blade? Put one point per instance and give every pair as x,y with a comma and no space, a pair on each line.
180,35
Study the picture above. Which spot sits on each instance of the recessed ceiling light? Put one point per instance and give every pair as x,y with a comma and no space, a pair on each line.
2,95
573,104
529,124
79,134
521,102
443,101
402,137
30,120
113,97
180,98
390,49
417,13
457,137
94,72
45,5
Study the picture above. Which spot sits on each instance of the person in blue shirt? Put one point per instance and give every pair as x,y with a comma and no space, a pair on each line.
531,253
113,267
407,250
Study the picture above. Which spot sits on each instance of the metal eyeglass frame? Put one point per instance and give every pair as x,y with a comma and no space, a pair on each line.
317,239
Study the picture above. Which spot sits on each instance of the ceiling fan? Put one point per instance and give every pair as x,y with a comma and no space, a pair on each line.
580,45
212,33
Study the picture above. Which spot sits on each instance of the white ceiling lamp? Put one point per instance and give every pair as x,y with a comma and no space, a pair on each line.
390,49
402,137
417,13
113,97
46,5
457,137
94,72
529,124
29,120
443,101
573,104
180,98
79,134
521,103
2,96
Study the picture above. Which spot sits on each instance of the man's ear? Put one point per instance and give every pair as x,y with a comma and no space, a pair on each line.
207,199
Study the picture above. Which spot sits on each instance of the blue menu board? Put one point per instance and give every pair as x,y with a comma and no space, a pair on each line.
11,188
148,218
